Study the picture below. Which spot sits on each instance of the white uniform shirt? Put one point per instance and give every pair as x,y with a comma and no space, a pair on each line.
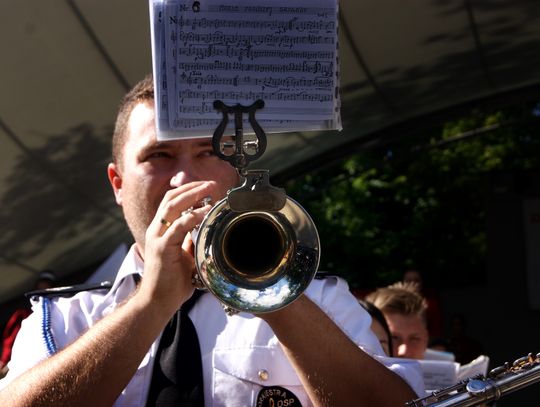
240,353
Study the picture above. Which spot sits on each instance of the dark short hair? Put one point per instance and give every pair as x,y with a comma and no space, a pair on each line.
47,275
143,91
377,314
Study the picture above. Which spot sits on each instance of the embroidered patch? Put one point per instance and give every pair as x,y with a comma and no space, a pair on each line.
276,396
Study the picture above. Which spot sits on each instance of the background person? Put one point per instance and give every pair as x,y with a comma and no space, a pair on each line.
405,311
434,314
379,326
46,279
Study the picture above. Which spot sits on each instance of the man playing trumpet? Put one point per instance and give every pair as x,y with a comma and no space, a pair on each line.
106,347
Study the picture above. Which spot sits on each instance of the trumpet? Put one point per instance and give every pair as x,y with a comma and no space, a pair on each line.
257,249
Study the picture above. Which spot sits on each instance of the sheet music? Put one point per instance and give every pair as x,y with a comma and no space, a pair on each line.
439,374
473,368
283,52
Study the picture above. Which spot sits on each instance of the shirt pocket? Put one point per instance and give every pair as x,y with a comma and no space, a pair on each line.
240,374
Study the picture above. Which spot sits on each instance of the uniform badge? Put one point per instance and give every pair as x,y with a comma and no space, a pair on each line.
277,396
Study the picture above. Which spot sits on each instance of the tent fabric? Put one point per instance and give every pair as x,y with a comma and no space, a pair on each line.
66,65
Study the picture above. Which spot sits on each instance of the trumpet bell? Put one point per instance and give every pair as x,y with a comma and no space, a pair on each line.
257,260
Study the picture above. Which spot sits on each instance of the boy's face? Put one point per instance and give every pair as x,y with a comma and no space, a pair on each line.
409,335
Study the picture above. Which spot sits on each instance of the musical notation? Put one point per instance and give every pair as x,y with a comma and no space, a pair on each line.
241,51
291,67
249,40
279,96
276,26
263,82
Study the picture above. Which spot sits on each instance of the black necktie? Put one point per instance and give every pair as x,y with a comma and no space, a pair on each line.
177,376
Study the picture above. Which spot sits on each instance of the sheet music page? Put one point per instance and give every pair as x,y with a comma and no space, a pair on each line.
473,368
439,374
283,52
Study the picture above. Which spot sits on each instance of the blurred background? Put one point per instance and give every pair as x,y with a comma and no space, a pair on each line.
437,168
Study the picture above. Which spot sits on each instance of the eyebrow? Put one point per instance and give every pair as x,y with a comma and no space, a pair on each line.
156,144
167,144
205,143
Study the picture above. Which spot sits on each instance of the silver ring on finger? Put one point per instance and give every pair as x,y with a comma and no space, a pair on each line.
187,211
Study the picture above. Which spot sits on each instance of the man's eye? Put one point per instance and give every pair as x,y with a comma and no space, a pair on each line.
207,153
158,154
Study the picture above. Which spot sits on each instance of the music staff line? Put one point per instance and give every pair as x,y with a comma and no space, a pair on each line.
269,10
266,96
221,38
270,125
209,51
325,69
267,81
208,107
293,24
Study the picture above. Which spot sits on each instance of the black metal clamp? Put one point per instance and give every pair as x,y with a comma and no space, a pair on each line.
240,158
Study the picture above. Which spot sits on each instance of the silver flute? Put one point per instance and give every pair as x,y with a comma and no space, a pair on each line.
480,389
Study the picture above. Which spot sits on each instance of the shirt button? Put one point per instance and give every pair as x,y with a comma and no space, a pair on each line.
263,374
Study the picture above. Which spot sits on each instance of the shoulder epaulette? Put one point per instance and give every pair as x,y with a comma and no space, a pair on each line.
320,275
69,290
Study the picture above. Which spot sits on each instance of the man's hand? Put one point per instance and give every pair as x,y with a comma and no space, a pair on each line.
168,252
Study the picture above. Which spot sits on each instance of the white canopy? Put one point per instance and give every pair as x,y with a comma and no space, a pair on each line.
66,64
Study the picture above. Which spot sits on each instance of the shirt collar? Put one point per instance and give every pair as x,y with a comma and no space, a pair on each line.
132,264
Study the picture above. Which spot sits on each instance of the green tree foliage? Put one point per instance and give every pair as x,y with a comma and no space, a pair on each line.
418,203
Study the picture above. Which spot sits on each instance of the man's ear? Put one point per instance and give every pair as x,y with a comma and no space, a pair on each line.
115,178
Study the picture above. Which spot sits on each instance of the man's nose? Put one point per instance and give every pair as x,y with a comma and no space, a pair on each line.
184,174
402,350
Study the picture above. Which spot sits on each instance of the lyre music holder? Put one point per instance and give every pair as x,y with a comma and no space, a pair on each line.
240,158
256,193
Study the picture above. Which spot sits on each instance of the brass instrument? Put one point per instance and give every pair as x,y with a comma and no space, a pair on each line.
257,250
476,390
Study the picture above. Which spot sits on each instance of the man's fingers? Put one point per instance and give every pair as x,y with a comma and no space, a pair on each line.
176,233
178,202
